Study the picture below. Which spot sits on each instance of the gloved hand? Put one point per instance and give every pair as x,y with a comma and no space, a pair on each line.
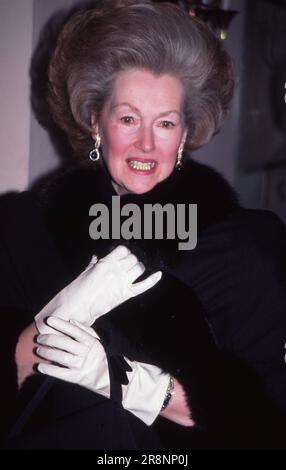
85,364
103,285
81,353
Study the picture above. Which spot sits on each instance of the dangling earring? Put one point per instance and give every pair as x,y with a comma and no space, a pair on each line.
179,157
94,154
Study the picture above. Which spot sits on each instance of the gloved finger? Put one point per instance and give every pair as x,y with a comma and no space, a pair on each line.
135,272
56,371
118,253
63,342
128,262
70,329
60,357
142,286
83,327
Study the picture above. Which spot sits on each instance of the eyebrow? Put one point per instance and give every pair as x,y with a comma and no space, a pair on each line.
164,113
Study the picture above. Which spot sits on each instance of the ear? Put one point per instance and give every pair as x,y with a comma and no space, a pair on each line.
94,125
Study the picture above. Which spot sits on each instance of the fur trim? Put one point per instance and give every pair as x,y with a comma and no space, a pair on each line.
66,200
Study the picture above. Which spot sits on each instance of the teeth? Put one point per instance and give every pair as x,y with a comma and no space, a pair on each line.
141,166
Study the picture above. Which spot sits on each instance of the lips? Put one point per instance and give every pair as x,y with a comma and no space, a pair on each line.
142,164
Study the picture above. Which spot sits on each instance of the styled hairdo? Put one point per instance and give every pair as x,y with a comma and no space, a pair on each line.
98,43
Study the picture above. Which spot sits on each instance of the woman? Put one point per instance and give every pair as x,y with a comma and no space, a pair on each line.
205,346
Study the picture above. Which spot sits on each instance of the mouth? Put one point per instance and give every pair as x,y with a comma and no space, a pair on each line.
142,165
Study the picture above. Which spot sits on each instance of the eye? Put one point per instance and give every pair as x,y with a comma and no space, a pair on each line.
167,124
127,120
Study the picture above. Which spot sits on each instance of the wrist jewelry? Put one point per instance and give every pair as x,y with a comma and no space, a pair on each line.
169,393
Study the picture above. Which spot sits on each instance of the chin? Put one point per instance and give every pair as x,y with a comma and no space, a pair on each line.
140,189
132,186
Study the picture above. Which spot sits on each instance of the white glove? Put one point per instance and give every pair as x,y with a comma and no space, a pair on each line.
81,353
103,285
85,364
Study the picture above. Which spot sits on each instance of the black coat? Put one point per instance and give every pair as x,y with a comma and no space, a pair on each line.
216,320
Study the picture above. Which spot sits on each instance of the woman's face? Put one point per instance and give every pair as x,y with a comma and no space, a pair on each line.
141,130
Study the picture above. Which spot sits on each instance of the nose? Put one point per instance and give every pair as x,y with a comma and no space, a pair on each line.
145,139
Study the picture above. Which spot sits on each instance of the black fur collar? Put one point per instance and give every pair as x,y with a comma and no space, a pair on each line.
66,198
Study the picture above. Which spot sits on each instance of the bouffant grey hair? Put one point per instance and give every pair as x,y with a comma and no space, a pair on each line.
98,43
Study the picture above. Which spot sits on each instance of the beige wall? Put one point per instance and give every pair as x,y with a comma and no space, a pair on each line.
26,151
16,27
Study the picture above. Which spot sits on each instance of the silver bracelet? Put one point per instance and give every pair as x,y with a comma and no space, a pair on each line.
169,394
